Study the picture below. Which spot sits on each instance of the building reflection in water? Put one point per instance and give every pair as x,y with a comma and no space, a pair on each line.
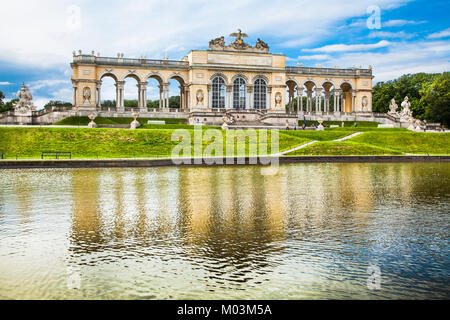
228,221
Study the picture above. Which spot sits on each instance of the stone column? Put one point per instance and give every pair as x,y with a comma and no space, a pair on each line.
298,99
327,101
98,87
75,88
120,106
181,96
353,100
291,99
166,95
228,97
269,98
318,99
160,96
143,96
338,100
308,100
186,98
208,87
248,97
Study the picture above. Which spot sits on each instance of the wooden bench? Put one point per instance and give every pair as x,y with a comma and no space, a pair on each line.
56,154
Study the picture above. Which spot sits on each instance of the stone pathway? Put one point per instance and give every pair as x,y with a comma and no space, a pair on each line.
312,142
349,136
296,148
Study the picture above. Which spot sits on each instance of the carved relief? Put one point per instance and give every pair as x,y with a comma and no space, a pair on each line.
87,95
278,100
199,97
238,44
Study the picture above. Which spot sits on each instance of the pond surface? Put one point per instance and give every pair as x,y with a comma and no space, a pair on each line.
312,231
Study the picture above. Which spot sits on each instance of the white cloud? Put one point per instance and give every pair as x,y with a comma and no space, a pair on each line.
442,34
349,47
5,83
48,31
400,23
392,35
313,57
401,58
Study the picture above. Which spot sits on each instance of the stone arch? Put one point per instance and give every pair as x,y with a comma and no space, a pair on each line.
109,73
178,76
132,75
261,76
155,75
346,95
219,74
312,81
292,80
342,82
239,75
333,84
291,85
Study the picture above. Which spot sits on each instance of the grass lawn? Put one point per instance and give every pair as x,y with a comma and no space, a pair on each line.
325,135
382,143
83,121
342,148
408,142
28,143
347,124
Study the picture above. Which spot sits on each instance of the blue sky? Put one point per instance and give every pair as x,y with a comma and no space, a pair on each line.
37,37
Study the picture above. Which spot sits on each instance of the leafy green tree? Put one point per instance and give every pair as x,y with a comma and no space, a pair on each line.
2,96
57,103
407,85
436,99
109,103
8,106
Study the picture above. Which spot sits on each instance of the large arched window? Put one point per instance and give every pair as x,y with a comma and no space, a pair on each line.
239,89
218,92
260,90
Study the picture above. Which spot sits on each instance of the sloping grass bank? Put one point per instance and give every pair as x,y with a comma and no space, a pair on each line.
83,121
28,143
382,143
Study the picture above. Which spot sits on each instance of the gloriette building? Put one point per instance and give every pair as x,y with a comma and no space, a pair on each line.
236,78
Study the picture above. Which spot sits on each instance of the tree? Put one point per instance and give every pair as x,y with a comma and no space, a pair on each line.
436,99
409,85
57,103
2,96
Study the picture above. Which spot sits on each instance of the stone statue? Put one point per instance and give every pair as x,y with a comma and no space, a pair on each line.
278,100
261,45
364,103
218,43
25,104
320,127
239,44
87,95
92,124
406,113
393,109
200,97
239,35
135,124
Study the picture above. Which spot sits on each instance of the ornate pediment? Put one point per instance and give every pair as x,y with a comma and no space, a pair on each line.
238,44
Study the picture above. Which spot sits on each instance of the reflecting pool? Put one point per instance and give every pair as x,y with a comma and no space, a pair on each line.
311,231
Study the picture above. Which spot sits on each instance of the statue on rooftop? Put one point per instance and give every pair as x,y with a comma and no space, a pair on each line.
261,45
218,43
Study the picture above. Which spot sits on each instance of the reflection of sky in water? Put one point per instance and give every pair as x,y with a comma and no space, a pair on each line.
311,231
